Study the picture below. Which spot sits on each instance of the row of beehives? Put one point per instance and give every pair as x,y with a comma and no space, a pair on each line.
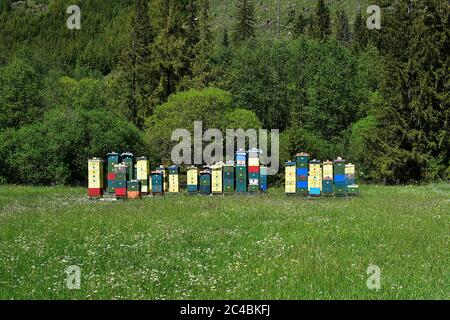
127,178
313,178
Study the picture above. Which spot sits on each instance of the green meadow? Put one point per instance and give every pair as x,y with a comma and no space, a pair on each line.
235,247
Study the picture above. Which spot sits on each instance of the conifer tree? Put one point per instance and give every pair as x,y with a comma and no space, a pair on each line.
225,38
245,21
136,78
360,33
415,127
322,21
201,71
343,33
300,25
173,52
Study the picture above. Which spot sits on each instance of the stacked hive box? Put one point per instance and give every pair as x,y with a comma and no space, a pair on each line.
120,183
327,182
349,174
315,178
192,180
142,174
128,158
241,171
339,177
253,170
157,182
216,179
134,189
165,178
174,179
205,182
290,183
228,177
263,179
95,180
302,160
350,181
113,159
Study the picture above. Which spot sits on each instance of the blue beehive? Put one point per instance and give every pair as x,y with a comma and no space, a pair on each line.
263,179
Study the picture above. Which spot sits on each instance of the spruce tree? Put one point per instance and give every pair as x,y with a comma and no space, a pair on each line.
136,77
173,52
360,33
225,38
201,71
300,25
414,124
322,21
245,24
343,33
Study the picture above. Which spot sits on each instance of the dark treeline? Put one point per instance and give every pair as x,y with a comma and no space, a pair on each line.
138,69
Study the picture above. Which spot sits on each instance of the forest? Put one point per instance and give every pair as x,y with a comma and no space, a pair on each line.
138,69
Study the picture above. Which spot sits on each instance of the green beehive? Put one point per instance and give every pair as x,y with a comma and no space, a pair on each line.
133,185
128,158
241,179
228,178
353,190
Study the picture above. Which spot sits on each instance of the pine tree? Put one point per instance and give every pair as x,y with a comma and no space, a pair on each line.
225,38
173,52
414,123
300,25
360,33
322,21
4,6
343,33
245,24
136,77
201,71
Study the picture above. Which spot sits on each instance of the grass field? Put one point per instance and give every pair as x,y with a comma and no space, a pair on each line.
240,247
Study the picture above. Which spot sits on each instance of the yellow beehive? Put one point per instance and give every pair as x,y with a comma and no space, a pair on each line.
143,169
349,168
253,162
192,177
216,179
328,170
174,186
95,169
290,183
315,175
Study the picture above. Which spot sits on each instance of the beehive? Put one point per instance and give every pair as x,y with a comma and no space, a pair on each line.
128,158
263,182
315,178
120,183
228,177
328,170
205,182
174,179
301,163
95,178
241,158
142,174
290,178
192,180
157,182
353,190
350,175
134,189
216,179
253,170
339,177
241,179
113,158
